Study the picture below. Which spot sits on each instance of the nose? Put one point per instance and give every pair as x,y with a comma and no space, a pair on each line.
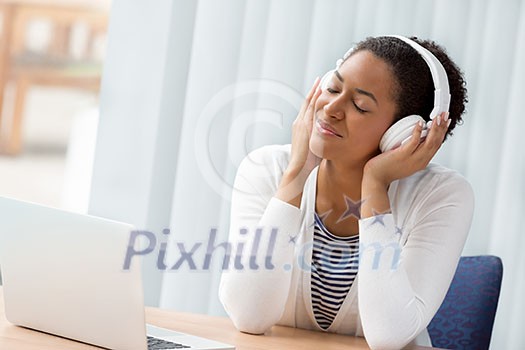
335,108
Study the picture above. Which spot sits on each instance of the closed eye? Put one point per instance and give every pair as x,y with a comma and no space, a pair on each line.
360,110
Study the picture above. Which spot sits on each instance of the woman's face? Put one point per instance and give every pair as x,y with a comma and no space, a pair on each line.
358,105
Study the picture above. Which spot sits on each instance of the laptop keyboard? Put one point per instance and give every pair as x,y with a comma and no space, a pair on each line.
161,344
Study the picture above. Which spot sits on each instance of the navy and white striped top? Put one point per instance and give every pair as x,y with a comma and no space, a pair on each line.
334,267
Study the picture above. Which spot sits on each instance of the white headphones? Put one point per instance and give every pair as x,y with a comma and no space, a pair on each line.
401,131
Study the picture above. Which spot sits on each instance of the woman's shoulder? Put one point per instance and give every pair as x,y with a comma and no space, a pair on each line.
444,176
436,184
262,169
269,157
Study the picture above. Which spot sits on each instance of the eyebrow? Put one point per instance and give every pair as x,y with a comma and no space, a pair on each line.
358,90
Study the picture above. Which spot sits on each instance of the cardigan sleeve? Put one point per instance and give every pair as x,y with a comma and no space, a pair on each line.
401,288
254,288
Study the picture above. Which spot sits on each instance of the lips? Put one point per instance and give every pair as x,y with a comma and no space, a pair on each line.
326,129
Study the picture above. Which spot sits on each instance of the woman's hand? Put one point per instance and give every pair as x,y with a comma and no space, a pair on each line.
409,158
302,159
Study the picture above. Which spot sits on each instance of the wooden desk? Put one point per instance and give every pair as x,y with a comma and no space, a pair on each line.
217,328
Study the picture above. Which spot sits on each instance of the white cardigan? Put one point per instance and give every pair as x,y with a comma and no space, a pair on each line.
431,216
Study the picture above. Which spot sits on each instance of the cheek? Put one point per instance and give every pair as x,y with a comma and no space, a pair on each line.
317,145
380,130
369,133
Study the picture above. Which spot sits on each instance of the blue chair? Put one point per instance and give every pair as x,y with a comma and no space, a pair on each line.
466,316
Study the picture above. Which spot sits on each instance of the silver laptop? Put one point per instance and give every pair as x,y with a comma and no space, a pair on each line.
63,274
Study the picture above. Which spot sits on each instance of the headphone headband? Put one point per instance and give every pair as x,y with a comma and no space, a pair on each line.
439,76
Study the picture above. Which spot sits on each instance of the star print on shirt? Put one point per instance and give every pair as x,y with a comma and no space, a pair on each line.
322,217
378,218
352,209
399,231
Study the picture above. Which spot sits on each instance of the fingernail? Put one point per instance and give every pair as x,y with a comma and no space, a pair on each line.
438,119
448,122
446,116
421,123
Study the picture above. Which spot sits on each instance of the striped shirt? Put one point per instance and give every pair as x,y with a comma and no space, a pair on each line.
334,267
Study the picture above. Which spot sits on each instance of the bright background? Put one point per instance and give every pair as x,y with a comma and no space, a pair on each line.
189,87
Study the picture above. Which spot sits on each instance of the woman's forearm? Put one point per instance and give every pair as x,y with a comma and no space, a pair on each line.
292,185
378,241
374,195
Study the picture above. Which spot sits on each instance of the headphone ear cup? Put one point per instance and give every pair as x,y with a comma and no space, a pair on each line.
398,132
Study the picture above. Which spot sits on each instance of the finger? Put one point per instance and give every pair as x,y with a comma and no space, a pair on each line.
309,115
412,144
313,89
308,98
434,139
317,93
311,106
437,133
448,121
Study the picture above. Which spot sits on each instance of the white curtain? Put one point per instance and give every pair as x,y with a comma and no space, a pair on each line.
231,76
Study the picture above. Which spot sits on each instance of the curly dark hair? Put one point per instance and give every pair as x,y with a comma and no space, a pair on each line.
414,89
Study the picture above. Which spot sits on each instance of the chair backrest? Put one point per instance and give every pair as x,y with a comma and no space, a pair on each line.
466,316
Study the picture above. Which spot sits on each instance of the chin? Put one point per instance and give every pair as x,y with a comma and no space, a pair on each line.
318,148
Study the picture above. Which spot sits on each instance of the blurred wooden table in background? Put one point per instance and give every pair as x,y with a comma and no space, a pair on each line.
54,65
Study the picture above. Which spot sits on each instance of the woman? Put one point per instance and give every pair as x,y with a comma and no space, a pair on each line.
362,242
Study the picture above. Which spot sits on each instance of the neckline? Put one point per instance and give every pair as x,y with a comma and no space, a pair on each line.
345,239
307,273
351,296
